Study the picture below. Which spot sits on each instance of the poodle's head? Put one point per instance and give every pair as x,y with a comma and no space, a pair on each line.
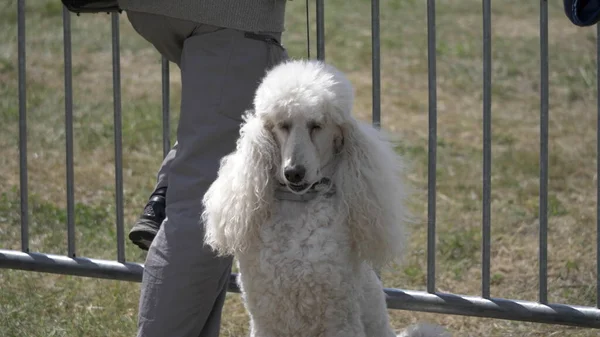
300,132
305,104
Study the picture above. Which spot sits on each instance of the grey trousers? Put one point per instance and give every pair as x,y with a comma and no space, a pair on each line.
184,283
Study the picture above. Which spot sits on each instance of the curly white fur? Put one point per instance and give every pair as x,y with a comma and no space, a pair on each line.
307,268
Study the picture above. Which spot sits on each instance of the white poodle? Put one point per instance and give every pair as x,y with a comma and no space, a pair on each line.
310,203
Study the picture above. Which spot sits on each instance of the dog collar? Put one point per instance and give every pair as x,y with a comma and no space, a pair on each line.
323,186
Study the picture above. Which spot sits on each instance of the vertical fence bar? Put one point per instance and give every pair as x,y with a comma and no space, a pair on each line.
307,29
543,207
118,136
598,167
69,132
166,97
320,30
431,174
487,148
376,62
23,127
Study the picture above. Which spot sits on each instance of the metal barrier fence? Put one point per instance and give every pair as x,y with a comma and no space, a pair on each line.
429,301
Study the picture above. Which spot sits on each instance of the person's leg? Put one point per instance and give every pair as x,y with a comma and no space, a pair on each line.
184,283
162,178
169,43
146,227
157,30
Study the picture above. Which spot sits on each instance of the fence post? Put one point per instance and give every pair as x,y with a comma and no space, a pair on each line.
118,136
23,127
432,144
69,132
598,167
543,207
376,62
320,30
487,148
166,106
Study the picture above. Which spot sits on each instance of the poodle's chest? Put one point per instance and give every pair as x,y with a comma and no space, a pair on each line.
299,269
300,245
304,231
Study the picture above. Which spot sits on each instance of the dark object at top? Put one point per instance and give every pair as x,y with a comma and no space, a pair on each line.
92,6
582,13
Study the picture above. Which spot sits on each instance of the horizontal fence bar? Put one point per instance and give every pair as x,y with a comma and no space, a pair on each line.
494,308
396,298
79,266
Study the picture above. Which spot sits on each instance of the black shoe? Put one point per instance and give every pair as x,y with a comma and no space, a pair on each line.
145,228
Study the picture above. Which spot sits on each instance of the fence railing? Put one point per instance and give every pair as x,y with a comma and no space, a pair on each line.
429,301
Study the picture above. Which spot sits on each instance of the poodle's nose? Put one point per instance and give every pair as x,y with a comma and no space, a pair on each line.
294,174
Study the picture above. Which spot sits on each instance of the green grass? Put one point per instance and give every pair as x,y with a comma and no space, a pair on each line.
34,304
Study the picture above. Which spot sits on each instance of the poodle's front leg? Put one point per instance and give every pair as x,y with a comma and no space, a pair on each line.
346,320
373,307
355,330
257,331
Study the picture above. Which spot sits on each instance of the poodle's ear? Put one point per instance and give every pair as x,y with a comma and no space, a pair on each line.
237,202
373,192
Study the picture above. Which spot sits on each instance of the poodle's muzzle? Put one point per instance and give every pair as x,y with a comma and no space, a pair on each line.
295,179
309,192
294,175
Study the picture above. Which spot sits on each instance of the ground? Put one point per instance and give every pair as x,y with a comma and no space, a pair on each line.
35,304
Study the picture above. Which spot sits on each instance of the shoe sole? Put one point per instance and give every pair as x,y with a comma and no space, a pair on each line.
142,237
143,244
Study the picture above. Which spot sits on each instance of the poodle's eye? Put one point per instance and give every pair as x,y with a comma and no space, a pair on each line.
284,126
313,126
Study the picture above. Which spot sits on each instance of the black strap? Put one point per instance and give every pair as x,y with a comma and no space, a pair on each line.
262,37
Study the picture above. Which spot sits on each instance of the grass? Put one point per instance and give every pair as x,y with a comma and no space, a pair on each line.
34,304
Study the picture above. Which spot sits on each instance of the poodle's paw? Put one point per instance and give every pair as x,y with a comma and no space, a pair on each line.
425,330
